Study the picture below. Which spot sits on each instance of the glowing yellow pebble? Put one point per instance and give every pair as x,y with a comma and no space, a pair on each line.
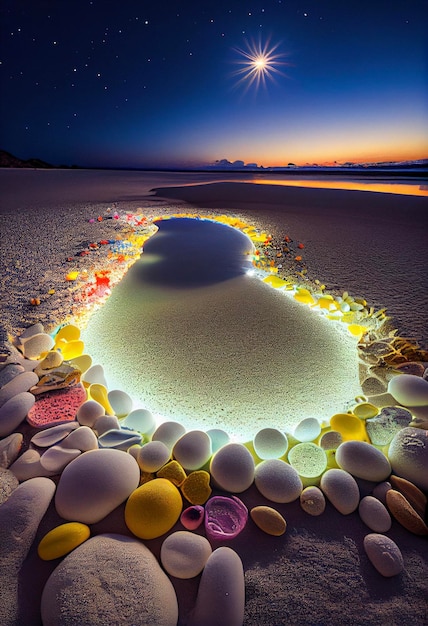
68,332
196,488
99,393
63,539
51,360
83,362
174,472
304,296
72,276
326,302
349,426
153,509
357,329
365,410
275,281
72,349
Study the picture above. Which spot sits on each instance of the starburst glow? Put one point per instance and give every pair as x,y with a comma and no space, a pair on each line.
259,62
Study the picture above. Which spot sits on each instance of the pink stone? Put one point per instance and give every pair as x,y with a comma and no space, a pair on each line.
192,517
225,517
55,407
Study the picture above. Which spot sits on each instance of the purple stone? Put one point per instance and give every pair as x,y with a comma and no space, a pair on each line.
192,517
225,517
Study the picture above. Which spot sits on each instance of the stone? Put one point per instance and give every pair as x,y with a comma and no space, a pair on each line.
382,428
308,459
312,501
121,402
331,440
8,483
277,481
380,491
219,438
408,455
152,456
20,517
94,375
56,407
34,329
104,423
169,433
404,513
232,468
62,539
225,517
196,487
88,413
221,594
19,384
374,514
270,443
184,554
141,420
35,345
109,579
192,517
153,509
94,484
341,489
307,430
8,372
28,466
416,498
82,438
56,458
14,411
9,449
173,472
384,554
363,461
269,520
119,438
192,450
52,435
409,390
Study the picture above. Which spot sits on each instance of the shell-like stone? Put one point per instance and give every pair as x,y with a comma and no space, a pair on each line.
28,466
269,520
193,450
192,517
384,554
404,513
363,460
82,438
94,375
184,554
225,517
232,468
374,514
312,501
119,438
416,498
341,489
54,434
56,458
277,481
408,455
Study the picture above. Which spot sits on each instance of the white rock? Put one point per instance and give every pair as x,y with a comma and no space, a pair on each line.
152,456
193,450
35,329
94,375
14,411
277,481
219,438
232,468
221,594
307,430
408,455
312,500
10,448
341,489
35,345
19,384
8,372
374,514
184,554
169,433
384,554
141,420
409,390
20,517
94,484
120,402
104,423
56,458
363,461
88,413
53,435
28,466
82,439
109,579
270,443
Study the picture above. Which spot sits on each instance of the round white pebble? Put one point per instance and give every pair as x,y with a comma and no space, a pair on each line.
88,413
193,450
409,390
120,402
152,456
270,443
232,468
277,481
341,489
363,460
374,514
141,420
184,554
307,430
169,433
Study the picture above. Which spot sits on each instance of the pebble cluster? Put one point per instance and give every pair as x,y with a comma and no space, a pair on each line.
94,451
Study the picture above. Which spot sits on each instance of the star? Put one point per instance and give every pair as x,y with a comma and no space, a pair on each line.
259,63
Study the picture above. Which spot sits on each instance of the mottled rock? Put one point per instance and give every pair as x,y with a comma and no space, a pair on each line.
408,455
109,579
312,501
225,517
382,428
184,554
8,483
384,554
9,449
221,594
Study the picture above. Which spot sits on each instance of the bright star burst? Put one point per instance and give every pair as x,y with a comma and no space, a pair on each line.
259,64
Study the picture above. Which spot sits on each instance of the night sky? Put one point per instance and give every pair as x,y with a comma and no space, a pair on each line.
185,83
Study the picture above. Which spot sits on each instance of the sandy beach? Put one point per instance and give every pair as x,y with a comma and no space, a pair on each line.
371,244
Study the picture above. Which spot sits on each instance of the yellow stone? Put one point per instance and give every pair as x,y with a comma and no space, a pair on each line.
357,330
174,472
349,426
153,509
196,488
83,362
68,332
71,349
63,539
99,393
365,410
276,281
269,520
